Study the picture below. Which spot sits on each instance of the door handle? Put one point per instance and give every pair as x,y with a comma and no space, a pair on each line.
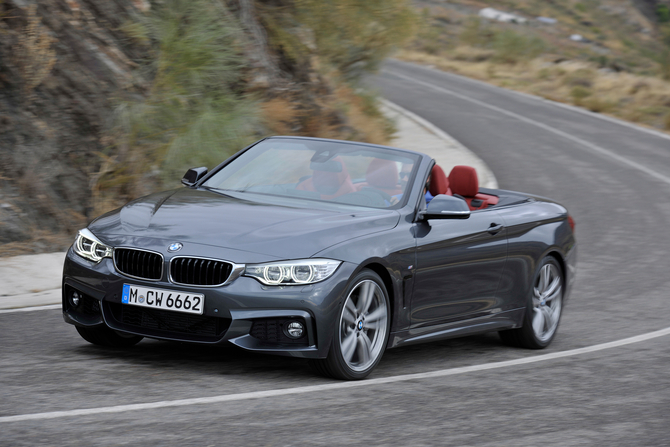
495,228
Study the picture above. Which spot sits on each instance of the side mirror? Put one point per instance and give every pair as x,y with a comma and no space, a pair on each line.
193,175
446,207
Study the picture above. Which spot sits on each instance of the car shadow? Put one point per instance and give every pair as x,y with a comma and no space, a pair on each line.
190,358
229,360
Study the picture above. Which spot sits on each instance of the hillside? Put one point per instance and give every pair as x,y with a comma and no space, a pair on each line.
102,101
610,56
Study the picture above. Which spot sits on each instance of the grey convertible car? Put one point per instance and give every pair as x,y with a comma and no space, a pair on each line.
328,250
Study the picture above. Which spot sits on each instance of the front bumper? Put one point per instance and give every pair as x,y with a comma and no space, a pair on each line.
244,312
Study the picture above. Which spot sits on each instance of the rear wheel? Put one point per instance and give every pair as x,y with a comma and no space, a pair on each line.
543,311
104,336
362,331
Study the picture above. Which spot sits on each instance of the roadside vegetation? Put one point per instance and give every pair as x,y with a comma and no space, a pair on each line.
222,77
607,56
119,97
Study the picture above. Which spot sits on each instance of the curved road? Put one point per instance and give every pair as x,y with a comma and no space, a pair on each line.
614,179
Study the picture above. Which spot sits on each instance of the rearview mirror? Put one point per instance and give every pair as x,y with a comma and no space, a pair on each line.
446,207
193,175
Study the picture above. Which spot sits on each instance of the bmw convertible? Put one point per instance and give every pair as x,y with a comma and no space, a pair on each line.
328,250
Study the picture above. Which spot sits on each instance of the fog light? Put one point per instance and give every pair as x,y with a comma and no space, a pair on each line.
74,299
294,329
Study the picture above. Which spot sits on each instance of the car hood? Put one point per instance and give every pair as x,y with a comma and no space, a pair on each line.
207,218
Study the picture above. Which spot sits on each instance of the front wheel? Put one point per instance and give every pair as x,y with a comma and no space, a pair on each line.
362,331
543,311
104,336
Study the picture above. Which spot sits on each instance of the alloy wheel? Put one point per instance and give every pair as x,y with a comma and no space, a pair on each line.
363,325
547,297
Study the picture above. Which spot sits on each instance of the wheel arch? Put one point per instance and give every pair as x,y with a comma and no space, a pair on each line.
386,277
559,258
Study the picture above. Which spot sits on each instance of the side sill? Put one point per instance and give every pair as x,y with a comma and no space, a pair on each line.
505,320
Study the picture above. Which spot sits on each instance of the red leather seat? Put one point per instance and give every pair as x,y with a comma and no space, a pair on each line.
439,183
463,181
382,175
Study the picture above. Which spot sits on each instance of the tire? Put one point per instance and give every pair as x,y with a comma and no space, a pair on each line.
362,330
543,309
104,336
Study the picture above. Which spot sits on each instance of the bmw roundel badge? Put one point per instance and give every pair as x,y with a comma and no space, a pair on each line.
175,247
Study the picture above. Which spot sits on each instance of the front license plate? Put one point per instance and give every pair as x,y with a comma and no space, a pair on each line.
192,303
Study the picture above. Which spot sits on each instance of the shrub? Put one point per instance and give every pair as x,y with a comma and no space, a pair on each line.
512,47
582,77
193,115
136,32
476,33
352,36
598,105
578,93
665,65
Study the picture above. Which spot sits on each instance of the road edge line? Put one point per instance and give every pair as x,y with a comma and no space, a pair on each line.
336,385
31,308
611,119
583,143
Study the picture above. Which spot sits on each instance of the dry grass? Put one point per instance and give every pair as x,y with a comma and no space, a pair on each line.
327,116
40,241
641,99
619,70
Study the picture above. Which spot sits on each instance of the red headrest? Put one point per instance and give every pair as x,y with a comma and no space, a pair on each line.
463,181
382,174
439,183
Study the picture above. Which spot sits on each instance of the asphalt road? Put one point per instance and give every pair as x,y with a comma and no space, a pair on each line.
614,179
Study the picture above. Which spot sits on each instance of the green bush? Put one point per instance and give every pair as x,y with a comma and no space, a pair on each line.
578,93
665,65
428,36
356,36
351,36
193,115
476,33
512,47
509,46
582,77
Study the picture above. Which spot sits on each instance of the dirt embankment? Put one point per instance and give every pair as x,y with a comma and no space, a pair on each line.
51,120
101,99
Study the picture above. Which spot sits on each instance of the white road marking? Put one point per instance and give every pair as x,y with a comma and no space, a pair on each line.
593,147
335,385
400,378
30,309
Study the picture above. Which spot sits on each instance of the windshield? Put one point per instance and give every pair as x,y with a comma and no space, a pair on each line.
328,171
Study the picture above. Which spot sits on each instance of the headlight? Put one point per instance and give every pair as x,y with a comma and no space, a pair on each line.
89,247
305,271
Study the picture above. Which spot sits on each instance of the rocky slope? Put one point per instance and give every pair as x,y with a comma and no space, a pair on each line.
68,66
51,122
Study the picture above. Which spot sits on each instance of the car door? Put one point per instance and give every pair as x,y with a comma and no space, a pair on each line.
459,264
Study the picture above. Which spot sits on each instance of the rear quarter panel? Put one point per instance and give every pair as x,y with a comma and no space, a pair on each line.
535,229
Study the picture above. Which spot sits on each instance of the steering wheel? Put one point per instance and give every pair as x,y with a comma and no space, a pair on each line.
385,196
